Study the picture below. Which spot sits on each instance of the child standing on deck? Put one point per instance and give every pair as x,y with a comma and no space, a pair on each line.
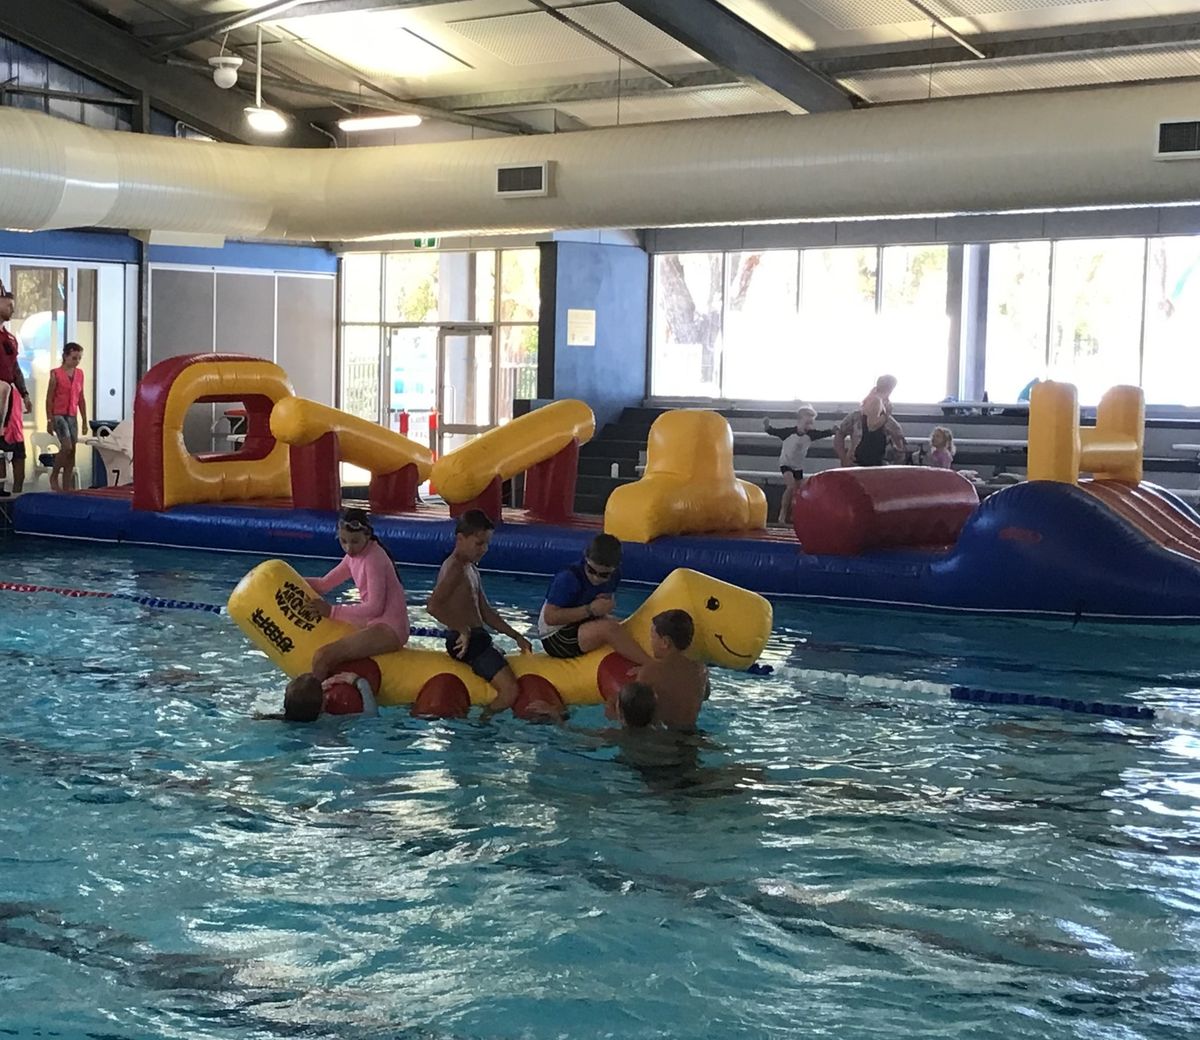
796,442
66,412
941,448
381,619
458,602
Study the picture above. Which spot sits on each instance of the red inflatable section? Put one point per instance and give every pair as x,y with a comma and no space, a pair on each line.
537,700
845,512
613,674
443,697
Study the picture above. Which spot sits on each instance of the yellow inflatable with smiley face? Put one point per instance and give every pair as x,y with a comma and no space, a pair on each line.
269,604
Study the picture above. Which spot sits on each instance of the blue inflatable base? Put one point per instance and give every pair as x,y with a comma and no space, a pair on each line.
1037,549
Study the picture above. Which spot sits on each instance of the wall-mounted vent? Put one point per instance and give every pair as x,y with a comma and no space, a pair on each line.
523,180
1178,140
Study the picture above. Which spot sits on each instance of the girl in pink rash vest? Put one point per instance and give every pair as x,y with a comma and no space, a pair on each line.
381,618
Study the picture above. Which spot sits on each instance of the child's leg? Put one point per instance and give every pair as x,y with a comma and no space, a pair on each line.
607,632
504,682
785,503
366,642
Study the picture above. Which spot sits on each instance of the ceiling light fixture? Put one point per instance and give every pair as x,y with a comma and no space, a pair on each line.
225,70
263,120
358,124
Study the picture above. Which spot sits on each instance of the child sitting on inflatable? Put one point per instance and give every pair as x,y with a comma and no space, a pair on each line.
458,602
381,618
350,692
576,617
680,684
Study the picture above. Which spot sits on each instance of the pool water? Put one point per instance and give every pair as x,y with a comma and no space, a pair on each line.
844,852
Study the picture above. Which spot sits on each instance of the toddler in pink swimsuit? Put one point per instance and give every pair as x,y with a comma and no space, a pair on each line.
381,618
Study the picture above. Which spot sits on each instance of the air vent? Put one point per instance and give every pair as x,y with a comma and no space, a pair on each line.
1178,140
523,181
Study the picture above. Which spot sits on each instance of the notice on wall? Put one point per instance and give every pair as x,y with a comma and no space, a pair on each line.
581,328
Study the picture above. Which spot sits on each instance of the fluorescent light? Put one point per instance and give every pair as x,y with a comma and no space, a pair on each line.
265,120
396,122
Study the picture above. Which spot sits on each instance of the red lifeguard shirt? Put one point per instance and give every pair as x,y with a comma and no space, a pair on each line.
10,371
68,391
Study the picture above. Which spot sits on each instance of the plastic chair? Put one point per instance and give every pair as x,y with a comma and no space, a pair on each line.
43,444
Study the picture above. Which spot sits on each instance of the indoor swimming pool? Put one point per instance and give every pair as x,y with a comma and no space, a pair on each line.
842,852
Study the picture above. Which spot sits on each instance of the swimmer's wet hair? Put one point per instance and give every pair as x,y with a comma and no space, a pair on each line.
637,701
675,625
303,699
605,550
474,521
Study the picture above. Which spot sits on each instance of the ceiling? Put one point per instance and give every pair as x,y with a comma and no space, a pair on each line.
480,67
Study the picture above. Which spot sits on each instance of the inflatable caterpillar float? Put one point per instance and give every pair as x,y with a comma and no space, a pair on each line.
270,604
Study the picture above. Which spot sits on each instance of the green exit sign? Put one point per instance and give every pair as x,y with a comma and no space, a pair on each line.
425,243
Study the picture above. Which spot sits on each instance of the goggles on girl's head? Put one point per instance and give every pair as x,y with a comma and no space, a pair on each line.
354,520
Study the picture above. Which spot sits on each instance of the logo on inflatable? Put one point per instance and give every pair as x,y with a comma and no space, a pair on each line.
275,635
293,601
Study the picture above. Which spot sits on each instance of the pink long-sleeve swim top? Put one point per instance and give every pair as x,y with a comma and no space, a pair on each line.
383,600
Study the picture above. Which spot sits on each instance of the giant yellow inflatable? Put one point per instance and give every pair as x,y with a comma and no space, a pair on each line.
270,605
689,486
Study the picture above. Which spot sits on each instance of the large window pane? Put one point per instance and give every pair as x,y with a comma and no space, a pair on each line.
914,329
411,286
841,348
518,367
360,287
1018,303
761,334
687,324
485,286
360,370
1095,336
1171,360
520,294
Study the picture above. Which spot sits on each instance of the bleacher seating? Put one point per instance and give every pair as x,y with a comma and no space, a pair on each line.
992,445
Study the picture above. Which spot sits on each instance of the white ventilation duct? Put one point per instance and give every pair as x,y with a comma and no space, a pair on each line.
1090,148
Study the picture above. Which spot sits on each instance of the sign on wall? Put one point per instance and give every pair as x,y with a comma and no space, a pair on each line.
581,328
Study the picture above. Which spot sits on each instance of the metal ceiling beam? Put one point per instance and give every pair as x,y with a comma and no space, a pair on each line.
716,33
74,36
275,11
595,90
1132,34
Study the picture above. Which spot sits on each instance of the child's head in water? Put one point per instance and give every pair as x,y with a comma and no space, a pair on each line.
637,703
671,632
806,415
303,699
354,531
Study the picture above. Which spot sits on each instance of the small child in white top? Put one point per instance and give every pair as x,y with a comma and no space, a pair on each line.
796,442
941,448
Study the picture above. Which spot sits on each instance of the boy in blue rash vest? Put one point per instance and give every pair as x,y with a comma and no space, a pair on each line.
576,617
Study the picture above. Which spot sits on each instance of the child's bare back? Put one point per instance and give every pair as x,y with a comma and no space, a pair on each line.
680,687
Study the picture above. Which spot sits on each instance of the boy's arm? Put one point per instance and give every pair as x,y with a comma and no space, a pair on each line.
446,600
817,435
495,622
782,432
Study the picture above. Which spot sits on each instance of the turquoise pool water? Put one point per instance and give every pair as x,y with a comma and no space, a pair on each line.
845,853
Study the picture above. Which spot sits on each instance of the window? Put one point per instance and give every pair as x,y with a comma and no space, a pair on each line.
1170,359
520,294
1096,314
360,286
1018,309
360,371
687,324
837,314
411,287
914,327
761,334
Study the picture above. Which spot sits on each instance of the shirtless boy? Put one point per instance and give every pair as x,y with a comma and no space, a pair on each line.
458,602
680,684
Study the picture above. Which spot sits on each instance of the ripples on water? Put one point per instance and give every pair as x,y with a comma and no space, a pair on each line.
843,852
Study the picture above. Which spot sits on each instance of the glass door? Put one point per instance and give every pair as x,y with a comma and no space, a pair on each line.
466,389
412,386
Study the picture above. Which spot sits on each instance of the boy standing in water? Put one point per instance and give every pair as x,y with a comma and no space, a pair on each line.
680,684
458,602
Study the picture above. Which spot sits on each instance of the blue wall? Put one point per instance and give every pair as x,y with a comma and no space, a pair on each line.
115,246
614,282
